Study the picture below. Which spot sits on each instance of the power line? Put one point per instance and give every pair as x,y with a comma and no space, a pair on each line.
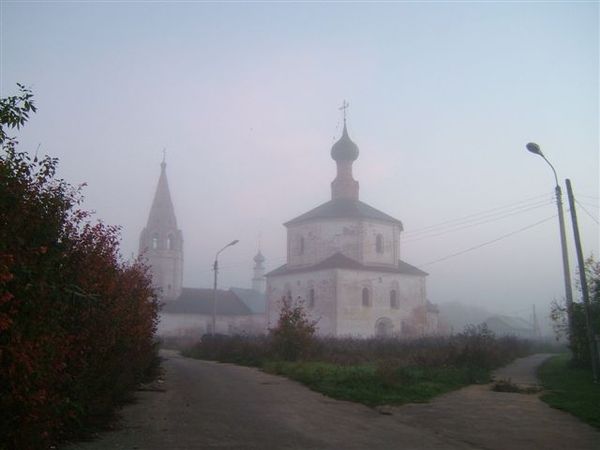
587,212
591,205
488,242
492,219
489,212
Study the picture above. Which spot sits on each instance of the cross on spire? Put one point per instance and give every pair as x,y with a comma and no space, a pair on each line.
164,154
344,107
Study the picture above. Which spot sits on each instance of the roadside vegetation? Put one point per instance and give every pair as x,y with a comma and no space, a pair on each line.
570,389
372,371
76,322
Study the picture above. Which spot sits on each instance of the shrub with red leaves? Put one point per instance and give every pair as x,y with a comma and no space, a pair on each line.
77,324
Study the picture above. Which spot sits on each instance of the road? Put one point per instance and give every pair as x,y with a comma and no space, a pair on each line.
208,405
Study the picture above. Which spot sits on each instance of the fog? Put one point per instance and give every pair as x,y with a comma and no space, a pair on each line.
244,97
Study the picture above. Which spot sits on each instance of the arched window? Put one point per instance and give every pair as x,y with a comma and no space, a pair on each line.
393,299
301,245
379,243
311,298
155,241
170,242
366,300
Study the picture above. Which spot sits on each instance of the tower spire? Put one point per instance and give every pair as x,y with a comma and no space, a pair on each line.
161,242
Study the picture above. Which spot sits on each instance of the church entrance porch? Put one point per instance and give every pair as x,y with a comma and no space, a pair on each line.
384,327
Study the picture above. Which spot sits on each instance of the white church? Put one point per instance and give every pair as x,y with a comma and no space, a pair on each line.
343,263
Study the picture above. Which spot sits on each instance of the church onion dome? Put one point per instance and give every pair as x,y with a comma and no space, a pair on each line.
259,258
344,149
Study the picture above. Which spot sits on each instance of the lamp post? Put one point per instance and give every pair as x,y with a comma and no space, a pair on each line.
216,269
534,148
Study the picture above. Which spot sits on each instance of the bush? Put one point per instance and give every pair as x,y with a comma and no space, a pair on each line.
579,343
76,323
293,336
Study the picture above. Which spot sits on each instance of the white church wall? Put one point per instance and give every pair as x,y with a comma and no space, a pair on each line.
389,252
299,285
356,319
314,241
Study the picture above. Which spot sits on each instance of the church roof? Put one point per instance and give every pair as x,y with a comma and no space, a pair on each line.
252,299
340,261
162,213
200,301
343,208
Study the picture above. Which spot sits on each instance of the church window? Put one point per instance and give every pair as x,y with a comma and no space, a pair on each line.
311,298
394,299
301,245
366,297
170,242
155,242
379,243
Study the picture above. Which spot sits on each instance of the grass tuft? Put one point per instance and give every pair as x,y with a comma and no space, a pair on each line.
570,389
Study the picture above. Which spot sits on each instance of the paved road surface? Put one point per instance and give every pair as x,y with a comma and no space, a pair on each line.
208,405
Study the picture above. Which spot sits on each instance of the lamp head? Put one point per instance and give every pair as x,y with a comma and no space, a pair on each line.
233,243
534,148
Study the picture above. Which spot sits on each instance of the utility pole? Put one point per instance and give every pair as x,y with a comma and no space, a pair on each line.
535,149
583,280
216,269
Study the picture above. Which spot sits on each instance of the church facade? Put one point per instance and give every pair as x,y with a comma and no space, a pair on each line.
343,263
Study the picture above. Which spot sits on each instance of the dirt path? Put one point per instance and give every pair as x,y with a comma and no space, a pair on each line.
210,405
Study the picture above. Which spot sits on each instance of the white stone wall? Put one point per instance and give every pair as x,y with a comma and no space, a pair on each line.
356,319
197,324
355,239
299,285
338,300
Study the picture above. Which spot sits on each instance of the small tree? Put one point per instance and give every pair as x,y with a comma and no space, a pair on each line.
293,336
580,345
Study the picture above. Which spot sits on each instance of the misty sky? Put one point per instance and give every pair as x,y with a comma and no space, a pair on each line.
443,98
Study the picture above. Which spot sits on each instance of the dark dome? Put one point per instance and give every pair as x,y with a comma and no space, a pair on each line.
259,258
344,149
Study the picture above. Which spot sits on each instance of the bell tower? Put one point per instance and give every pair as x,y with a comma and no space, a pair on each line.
161,242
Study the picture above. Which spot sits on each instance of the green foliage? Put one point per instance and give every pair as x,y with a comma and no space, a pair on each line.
76,323
579,343
14,111
373,385
293,336
374,371
570,389
244,350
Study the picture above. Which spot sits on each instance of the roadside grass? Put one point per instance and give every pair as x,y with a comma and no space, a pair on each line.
372,371
370,385
570,389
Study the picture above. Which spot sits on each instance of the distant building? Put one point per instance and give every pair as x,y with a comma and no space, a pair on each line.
188,311
511,326
343,261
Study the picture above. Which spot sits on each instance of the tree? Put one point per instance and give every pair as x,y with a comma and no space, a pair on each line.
76,323
580,345
293,336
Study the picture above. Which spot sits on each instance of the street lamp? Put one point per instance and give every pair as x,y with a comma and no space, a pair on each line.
216,269
534,148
